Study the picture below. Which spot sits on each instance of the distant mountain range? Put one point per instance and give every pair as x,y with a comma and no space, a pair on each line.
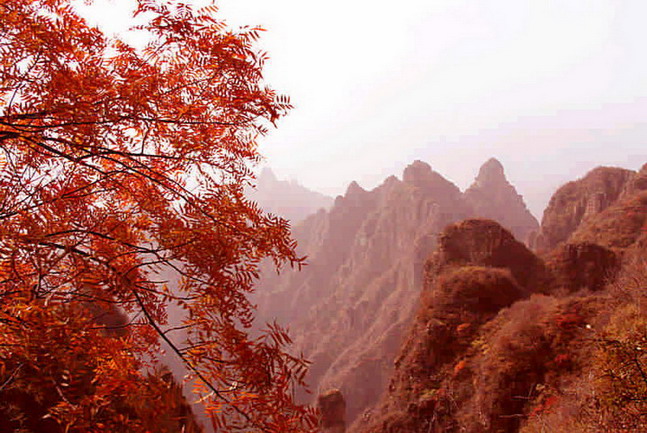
286,199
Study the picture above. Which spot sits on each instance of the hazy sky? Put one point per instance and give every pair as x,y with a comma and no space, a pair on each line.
550,88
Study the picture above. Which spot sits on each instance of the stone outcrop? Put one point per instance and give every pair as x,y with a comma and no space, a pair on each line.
577,202
469,279
483,242
621,223
502,336
332,410
493,197
577,266
636,185
607,207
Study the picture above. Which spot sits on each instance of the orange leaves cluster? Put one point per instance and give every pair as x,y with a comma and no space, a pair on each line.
121,192
56,367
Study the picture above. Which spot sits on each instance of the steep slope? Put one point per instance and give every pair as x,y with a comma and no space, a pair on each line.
580,265
348,308
482,357
493,197
594,248
467,281
620,224
485,242
287,199
577,202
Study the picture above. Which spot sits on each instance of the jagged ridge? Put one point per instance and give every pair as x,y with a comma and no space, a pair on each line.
350,306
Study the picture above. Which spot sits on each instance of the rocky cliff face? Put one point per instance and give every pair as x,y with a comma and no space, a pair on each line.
469,279
485,242
286,199
578,202
347,310
486,353
623,221
591,224
581,265
332,409
493,197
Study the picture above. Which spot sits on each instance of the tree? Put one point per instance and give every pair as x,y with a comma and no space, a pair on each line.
120,165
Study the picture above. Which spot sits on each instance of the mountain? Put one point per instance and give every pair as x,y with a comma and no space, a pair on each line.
492,196
477,270
349,307
287,199
577,202
618,225
507,341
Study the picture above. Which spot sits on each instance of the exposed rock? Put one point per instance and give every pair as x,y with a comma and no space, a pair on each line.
286,199
480,358
354,190
492,196
637,184
348,308
420,175
577,202
483,242
417,173
469,280
332,408
578,266
619,225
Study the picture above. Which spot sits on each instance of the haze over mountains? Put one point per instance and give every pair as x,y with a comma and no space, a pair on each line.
287,199
356,310
365,266
565,356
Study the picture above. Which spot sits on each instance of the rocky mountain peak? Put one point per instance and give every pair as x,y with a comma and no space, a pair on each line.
266,176
577,202
391,180
420,175
484,242
348,308
354,189
417,172
367,255
492,196
491,172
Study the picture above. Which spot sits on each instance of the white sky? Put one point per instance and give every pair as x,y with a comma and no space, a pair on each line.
552,88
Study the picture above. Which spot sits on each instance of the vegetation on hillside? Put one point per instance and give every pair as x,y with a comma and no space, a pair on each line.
564,351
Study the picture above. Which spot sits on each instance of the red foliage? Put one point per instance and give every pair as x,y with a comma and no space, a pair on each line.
460,366
545,406
118,166
563,360
569,320
463,328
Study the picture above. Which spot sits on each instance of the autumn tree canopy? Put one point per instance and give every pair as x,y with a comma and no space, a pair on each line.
119,166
